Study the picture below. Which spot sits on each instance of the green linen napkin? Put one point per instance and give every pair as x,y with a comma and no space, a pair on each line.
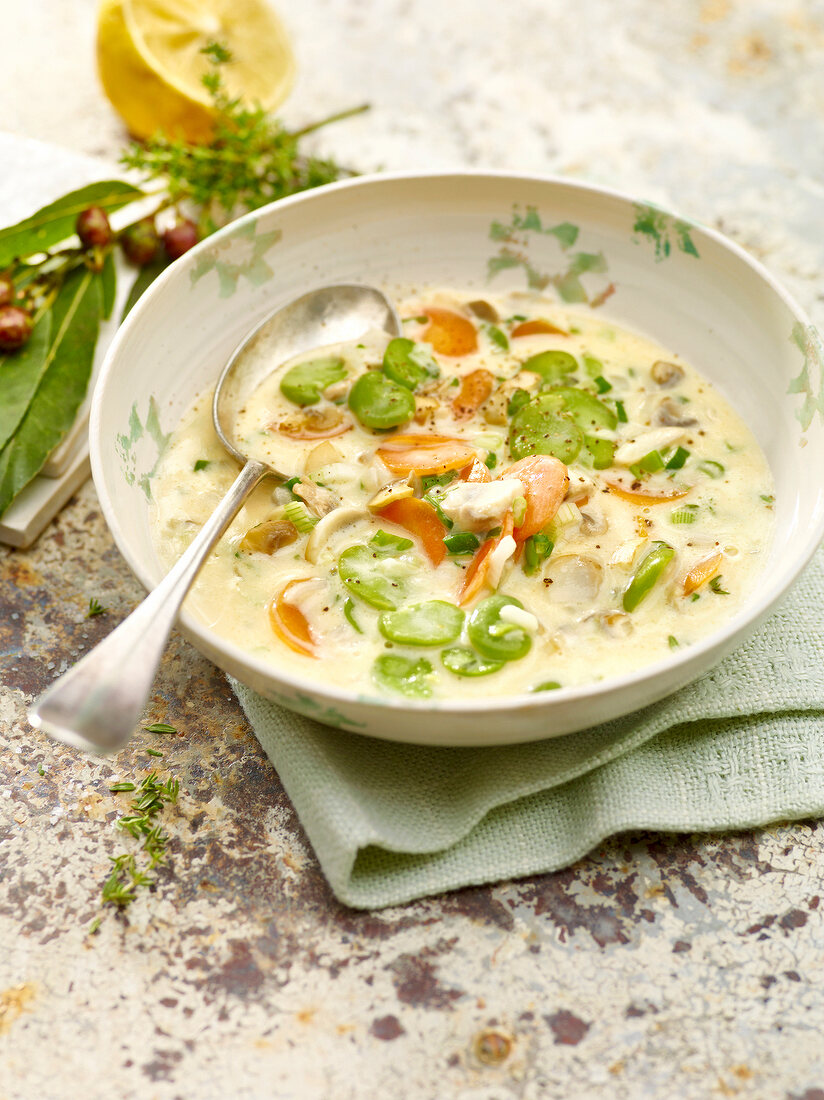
740,747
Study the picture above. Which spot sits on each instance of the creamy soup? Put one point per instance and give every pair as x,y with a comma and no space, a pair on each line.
512,497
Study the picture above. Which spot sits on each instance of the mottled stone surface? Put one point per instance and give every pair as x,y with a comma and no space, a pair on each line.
682,967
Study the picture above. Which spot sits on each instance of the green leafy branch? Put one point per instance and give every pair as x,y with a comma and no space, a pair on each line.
58,277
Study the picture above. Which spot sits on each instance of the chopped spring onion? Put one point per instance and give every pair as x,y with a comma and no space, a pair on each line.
462,542
673,642
677,459
536,550
687,514
349,613
567,514
621,412
497,337
386,544
432,499
491,461
299,515
651,462
602,384
201,464
711,468
433,480
291,483
518,510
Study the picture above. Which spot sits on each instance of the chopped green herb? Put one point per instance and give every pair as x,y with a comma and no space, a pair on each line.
711,468
768,498
621,412
491,461
462,542
417,320
152,795
154,752
715,585
432,499
602,384
201,464
547,685
695,596
160,727
117,787
677,459
291,483
95,608
94,926
673,642
536,550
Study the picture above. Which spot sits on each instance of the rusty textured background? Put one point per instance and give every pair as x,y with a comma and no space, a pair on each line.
659,967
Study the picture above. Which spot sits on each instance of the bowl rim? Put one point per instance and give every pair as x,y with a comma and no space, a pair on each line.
702,652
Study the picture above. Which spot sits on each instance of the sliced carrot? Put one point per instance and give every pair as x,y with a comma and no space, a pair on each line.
420,519
536,328
475,471
475,389
705,570
478,570
424,454
449,333
290,624
640,496
545,481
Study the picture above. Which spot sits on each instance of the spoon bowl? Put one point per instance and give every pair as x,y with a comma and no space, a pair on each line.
97,703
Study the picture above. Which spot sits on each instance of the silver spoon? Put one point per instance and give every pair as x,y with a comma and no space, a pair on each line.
97,703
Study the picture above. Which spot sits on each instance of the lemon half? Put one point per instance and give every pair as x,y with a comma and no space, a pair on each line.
151,67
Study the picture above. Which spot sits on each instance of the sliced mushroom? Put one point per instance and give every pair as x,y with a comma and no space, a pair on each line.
395,490
483,309
327,527
616,623
575,578
669,415
323,455
320,502
593,522
315,422
269,536
665,374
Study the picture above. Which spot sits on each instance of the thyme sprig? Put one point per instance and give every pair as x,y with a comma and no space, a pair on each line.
251,160
120,888
95,608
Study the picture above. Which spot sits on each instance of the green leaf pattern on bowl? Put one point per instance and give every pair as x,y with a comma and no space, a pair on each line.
241,254
808,341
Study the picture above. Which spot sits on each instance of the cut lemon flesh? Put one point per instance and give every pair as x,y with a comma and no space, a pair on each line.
151,65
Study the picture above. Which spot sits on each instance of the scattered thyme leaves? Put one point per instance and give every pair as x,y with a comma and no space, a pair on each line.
95,608
120,888
160,727
154,752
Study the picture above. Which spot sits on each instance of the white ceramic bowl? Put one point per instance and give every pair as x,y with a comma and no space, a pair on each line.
682,284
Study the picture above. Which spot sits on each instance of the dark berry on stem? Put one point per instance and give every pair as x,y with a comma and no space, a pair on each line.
15,327
180,238
92,227
140,242
6,290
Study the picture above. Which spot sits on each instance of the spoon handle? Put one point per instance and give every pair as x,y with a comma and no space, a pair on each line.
98,702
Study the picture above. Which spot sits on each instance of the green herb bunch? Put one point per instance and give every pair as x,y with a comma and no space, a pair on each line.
58,278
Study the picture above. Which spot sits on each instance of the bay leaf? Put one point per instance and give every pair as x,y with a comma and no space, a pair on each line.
20,374
54,223
74,328
146,276
108,284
